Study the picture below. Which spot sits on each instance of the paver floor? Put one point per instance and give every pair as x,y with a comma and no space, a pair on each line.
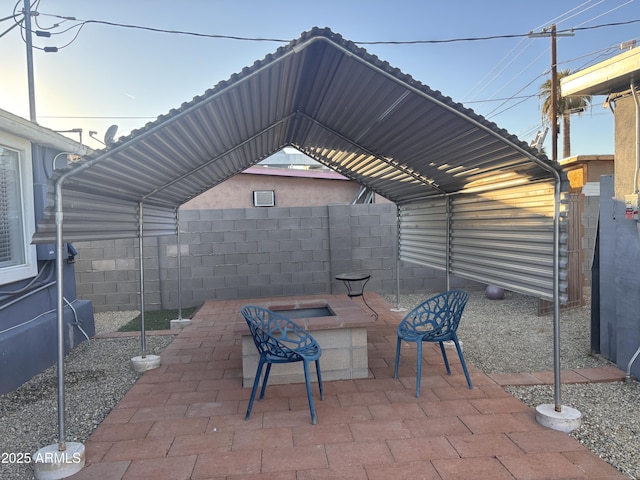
185,419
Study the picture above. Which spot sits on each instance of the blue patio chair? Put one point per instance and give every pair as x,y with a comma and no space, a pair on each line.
434,320
279,340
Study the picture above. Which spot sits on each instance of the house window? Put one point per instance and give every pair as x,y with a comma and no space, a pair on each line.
17,256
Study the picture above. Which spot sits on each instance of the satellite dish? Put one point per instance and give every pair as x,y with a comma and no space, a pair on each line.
111,133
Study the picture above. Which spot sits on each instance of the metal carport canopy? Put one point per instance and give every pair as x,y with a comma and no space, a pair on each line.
336,103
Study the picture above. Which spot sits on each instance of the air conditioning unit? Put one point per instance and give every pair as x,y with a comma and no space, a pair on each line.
264,198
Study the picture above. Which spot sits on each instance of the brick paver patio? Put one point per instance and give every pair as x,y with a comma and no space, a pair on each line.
185,419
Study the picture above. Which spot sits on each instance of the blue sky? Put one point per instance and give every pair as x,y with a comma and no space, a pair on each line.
115,75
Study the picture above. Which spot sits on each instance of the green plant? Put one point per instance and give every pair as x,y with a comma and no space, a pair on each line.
157,320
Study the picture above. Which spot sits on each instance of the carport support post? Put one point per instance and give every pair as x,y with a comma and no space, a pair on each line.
143,340
398,308
179,265
143,362
63,459
448,244
557,416
179,322
60,310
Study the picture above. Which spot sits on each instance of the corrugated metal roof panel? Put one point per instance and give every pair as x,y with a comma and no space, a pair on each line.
333,101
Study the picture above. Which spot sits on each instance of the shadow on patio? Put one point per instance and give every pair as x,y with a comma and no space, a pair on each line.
185,420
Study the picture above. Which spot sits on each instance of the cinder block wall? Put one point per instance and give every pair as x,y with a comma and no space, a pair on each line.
590,225
251,253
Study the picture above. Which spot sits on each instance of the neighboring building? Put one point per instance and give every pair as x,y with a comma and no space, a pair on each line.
584,172
616,296
28,317
283,180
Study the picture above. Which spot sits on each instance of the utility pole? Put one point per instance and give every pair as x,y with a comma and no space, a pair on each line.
30,81
552,32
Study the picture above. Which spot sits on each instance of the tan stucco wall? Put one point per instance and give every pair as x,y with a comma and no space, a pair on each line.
625,141
237,192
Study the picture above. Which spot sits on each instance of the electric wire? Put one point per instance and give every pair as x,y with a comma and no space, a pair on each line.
17,24
572,13
563,18
280,40
10,17
605,13
522,71
531,42
558,19
492,114
499,99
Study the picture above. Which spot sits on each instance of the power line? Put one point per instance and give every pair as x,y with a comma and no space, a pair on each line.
577,10
489,115
17,24
608,11
10,17
501,99
162,30
81,23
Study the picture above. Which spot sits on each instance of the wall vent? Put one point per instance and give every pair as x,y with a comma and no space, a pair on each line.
264,198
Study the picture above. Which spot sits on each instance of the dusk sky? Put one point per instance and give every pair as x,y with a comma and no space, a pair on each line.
114,74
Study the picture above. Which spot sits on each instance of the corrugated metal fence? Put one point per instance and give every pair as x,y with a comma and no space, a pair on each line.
504,237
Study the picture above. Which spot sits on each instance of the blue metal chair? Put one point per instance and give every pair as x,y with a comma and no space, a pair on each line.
434,320
279,340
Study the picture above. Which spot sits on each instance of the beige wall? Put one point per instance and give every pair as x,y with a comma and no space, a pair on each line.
625,141
237,192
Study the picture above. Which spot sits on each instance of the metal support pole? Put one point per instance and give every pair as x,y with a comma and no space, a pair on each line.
30,74
143,342
448,245
398,259
557,394
60,309
179,257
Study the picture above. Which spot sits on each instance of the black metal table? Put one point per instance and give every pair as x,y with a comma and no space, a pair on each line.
355,283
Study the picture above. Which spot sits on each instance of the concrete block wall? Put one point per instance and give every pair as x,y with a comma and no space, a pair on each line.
589,223
251,253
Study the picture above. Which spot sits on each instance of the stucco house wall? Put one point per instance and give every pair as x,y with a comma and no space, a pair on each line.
28,315
291,187
620,279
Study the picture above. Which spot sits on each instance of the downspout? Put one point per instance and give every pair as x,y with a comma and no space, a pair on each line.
635,191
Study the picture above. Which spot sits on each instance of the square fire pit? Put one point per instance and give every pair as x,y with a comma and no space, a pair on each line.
338,324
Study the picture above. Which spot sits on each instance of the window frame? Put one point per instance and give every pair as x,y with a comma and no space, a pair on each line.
29,268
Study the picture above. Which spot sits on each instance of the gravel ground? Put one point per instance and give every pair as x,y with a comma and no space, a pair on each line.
97,373
508,336
499,336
